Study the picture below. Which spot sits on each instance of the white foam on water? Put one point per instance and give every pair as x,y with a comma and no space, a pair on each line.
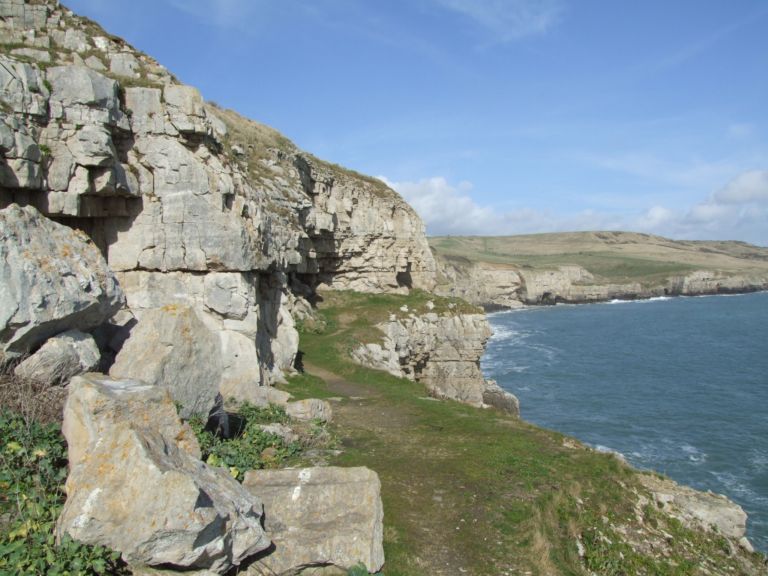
693,453
735,485
503,333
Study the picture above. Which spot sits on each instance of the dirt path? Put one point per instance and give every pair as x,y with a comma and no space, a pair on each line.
436,508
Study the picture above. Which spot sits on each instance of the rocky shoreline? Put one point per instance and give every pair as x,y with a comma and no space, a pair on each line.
496,287
159,255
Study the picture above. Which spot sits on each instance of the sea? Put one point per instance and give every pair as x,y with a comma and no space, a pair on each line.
676,385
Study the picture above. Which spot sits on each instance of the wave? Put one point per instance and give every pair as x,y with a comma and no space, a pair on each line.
639,301
735,485
694,454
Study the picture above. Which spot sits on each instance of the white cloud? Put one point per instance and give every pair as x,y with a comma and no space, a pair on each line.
450,209
509,20
745,188
737,211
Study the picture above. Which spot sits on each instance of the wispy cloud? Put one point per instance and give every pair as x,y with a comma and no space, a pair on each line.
740,131
656,168
701,45
242,15
509,20
738,211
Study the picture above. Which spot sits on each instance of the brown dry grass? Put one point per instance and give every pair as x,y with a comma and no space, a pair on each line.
34,401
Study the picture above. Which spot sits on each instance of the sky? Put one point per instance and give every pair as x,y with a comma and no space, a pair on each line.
497,117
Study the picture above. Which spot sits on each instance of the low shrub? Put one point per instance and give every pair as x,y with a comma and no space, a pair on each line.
250,448
33,467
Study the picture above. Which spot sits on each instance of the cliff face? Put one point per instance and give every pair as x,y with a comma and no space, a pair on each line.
508,272
190,205
442,351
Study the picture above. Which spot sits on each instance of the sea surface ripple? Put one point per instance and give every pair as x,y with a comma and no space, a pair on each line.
676,385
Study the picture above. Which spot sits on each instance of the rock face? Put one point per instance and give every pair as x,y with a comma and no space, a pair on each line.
366,238
480,283
52,279
60,358
172,348
319,517
713,512
191,205
535,269
442,352
136,484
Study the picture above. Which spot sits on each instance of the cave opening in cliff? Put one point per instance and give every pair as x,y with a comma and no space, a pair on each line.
404,279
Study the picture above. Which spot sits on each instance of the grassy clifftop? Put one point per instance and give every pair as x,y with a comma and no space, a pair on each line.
609,256
471,491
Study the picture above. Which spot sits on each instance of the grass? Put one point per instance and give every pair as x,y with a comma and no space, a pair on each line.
478,492
617,257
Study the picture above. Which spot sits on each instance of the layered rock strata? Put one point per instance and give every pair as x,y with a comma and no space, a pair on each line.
495,286
190,205
443,352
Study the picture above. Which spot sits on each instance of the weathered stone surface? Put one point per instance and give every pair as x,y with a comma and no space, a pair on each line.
309,409
60,358
22,88
441,351
52,279
495,285
20,164
480,283
697,509
263,396
495,396
136,484
319,516
171,347
74,88
171,196
366,237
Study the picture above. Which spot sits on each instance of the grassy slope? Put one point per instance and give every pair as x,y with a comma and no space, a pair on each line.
468,491
610,256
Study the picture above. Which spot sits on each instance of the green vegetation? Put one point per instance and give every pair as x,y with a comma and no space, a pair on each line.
478,492
361,312
33,467
250,447
617,257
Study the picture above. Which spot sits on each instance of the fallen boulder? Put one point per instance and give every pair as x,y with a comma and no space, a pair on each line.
172,348
136,484
495,396
309,409
52,279
326,516
60,358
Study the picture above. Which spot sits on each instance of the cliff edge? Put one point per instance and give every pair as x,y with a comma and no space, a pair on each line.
577,267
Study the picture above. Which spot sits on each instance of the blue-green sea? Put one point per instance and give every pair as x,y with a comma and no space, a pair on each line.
677,385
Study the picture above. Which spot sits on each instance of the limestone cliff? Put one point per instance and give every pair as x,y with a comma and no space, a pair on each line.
191,205
440,350
509,272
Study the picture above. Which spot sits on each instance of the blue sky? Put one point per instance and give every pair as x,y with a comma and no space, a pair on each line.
494,116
